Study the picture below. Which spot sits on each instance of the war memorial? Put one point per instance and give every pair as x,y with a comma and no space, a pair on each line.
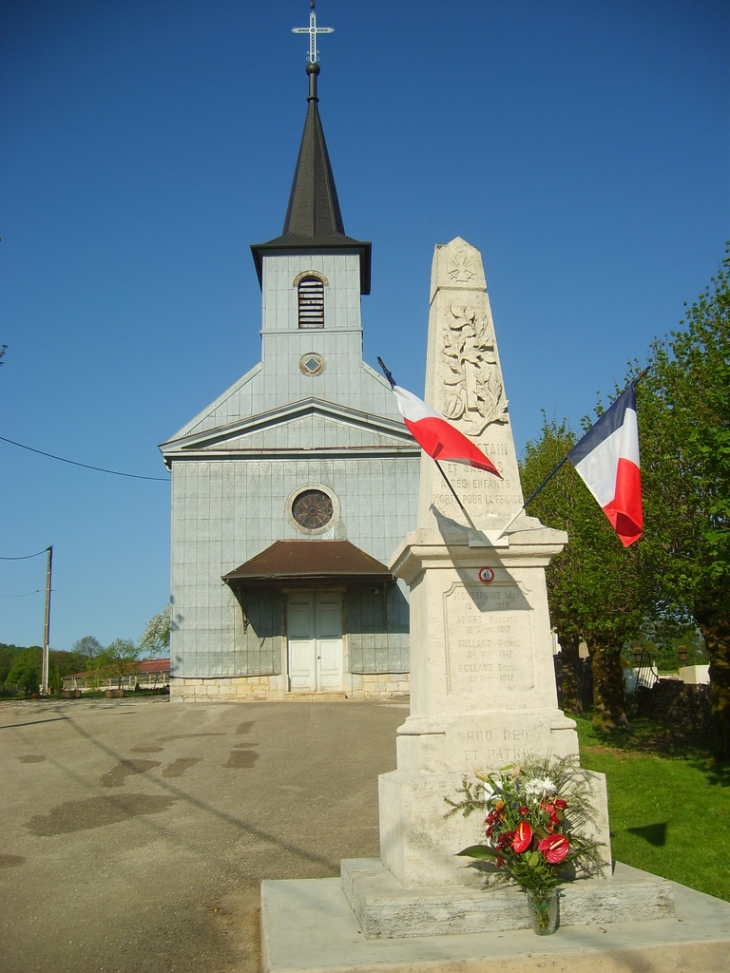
483,697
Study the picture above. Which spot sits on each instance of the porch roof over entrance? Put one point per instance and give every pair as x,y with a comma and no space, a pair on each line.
287,561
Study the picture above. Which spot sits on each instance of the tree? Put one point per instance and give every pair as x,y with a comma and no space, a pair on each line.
55,683
82,655
684,417
7,655
26,670
596,590
155,639
88,646
119,659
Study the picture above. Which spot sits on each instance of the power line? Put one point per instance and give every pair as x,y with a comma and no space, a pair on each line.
26,557
86,466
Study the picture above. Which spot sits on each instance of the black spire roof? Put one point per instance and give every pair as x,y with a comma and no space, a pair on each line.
313,218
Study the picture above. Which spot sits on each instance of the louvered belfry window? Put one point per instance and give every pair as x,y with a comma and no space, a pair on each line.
311,303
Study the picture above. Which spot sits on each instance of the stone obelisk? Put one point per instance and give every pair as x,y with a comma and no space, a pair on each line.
482,679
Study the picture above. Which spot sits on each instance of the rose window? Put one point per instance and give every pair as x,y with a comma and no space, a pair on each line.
312,509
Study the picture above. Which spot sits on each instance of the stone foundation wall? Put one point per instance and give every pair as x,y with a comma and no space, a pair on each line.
676,703
235,689
379,684
226,690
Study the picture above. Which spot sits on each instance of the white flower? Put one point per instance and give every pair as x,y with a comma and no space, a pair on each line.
540,787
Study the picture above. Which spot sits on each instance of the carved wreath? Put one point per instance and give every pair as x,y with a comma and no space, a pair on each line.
475,393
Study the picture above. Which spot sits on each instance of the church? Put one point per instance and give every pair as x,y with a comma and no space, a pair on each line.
292,489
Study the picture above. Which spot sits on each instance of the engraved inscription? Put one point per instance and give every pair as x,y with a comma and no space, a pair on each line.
489,749
488,638
482,490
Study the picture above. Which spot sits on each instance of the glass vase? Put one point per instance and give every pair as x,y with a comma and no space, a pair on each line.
543,910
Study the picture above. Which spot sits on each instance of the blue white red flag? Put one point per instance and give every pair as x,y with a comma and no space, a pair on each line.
607,460
438,437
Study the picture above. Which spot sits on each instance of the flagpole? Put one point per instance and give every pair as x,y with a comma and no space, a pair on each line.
463,509
387,373
532,496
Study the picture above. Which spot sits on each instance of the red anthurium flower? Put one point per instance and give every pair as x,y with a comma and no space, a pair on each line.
524,811
523,837
560,804
554,848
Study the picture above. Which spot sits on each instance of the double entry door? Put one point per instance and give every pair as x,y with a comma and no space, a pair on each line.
314,628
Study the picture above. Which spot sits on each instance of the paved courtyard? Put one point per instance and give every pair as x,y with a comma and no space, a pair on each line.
135,833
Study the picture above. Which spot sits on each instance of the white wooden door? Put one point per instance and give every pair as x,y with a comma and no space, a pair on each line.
302,643
314,626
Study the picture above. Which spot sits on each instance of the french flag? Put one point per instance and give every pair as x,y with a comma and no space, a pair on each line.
607,459
438,437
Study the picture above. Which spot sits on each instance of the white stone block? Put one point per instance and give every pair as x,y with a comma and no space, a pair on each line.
695,675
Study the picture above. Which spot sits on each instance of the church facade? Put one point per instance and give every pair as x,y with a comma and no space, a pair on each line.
292,489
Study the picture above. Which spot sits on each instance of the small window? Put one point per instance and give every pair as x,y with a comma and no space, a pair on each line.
311,303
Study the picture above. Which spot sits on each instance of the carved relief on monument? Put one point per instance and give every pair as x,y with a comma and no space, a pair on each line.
473,392
461,264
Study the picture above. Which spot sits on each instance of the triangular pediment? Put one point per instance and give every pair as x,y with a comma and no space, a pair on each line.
308,426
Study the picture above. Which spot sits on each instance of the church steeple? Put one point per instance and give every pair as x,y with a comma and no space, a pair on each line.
314,210
313,219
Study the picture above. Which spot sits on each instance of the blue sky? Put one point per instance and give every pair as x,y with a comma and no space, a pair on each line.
584,148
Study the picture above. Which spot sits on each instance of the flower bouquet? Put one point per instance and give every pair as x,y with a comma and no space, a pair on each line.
534,817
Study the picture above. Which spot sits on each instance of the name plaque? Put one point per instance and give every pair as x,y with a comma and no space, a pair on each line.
488,638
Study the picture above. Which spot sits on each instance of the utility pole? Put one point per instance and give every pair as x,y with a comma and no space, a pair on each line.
47,626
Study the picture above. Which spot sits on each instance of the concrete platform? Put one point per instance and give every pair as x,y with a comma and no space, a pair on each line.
386,910
308,926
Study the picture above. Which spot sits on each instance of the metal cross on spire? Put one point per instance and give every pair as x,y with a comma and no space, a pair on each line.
313,30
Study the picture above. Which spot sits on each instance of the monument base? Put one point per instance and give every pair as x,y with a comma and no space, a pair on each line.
307,926
385,909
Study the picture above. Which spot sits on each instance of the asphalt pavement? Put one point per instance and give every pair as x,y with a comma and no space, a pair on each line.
135,833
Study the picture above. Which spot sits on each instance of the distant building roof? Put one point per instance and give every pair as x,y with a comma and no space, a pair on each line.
154,665
147,665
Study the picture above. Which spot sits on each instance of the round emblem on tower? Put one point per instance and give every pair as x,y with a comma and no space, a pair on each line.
486,575
311,364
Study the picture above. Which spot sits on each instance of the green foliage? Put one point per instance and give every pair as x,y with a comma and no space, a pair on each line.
663,637
88,647
26,670
684,420
677,578
155,639
7,655
596,588
119,659
54,679
81,657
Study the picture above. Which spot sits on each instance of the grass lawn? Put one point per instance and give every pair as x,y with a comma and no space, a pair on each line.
669,804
